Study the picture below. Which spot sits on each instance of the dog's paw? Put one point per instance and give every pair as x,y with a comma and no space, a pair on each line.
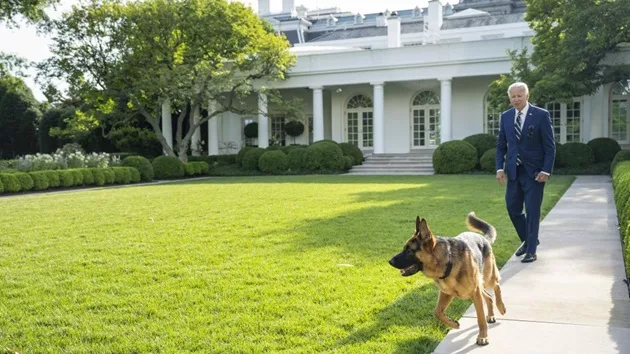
482,341
501,308
454,324
491,319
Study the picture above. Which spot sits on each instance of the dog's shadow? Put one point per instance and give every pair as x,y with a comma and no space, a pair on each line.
414,309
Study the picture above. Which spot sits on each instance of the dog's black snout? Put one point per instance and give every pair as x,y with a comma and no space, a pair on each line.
392,262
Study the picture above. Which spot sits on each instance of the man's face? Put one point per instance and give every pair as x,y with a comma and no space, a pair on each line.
518,98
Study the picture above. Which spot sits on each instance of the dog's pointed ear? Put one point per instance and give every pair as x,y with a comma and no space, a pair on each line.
418,223
423,228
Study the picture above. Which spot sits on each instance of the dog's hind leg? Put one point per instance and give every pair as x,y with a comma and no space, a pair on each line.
490,304
477,298
497,294
440,310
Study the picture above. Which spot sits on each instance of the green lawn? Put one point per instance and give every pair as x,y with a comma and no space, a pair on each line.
234,265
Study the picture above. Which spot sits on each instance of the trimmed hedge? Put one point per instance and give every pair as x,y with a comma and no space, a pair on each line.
622,155
604,149
1,187
142,164
295,159
488,161
26,181
88,177
482,143
122,175
324,155
77,176
241,154
251,158
455,156
99,177
621,185
353,151
348,162
574,155
66,178
10,182
110,177
167,167
40,180
274,162
54,180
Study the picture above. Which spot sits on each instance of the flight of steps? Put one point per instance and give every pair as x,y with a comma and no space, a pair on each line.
415,163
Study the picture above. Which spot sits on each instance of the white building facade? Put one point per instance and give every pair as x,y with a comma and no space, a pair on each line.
405,81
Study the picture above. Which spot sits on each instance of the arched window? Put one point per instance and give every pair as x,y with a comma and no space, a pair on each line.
360,121
426,97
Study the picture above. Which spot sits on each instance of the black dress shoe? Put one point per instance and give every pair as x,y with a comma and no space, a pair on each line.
529,258
523,249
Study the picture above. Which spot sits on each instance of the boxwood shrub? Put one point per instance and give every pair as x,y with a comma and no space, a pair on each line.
143,166
167,167
295,159
251,158
488,161
99,177
455,156
40,180
482,143
352,150
604,149
325,155
10,182
274,162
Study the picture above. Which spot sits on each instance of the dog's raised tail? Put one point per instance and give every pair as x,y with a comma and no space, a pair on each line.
478,225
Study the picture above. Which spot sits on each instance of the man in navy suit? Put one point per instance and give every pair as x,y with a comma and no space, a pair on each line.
525,152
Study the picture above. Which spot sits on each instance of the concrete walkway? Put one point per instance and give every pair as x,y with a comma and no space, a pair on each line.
573,299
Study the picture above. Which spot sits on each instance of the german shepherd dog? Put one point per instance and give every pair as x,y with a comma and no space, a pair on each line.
462,266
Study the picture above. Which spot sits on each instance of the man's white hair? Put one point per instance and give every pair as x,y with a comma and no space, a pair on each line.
521,85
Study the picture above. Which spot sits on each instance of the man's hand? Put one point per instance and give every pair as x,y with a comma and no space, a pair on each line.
500,177
542,178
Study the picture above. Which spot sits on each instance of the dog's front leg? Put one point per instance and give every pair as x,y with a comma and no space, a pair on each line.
477,299
440,310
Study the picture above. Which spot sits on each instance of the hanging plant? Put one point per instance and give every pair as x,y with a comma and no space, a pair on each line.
251,130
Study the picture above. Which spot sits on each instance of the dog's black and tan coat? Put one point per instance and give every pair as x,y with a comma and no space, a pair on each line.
462,266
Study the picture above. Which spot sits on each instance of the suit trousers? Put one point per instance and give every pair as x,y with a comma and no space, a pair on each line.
524,190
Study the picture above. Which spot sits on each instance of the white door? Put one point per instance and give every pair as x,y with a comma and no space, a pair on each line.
566,120
425,121
360,122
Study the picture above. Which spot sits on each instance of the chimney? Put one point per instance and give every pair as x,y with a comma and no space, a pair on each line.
302,11
263,8
393,31
381,20
288,6
435,16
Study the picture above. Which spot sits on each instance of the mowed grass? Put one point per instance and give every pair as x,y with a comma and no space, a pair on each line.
234,265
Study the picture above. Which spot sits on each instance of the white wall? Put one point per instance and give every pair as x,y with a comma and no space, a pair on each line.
468,105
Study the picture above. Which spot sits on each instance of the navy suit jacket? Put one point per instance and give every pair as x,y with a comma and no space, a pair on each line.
536,148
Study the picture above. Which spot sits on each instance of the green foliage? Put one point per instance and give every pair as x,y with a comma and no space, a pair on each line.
241,154
574,155
142,164
189,169
138,141
274,162
604,149
251,130
287,149
348,162
135,175
19,113
295,159
53,118
77,176
352,150
167,167
40,180
455,156
139,53
488,161
54,180
324,156
482,143
251,159
122,175
294,128
88,177
110,176
26,181
99,177
31,10
10,182
196,168
623,155
66,178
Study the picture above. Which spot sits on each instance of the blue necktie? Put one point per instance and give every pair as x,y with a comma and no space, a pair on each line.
517,130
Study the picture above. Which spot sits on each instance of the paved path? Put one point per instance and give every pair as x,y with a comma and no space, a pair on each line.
573,299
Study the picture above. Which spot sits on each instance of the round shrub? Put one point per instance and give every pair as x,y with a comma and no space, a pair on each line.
251,130
325,141
482,143
122,175
40,180
251,158
78,176
110,177
454,156
274,147
10,182
99,177
295,159
241,154
604,149
201,167
348,162
287,149
135,174
622,155
54,180
189,169
294,128
273,162
66,178
574,155
324,156
26,182
488,161
352,150
165,167
1,187
142,164
88,177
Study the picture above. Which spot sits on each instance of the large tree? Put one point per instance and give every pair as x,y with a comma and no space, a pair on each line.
31,10
19,114
572,48
142,53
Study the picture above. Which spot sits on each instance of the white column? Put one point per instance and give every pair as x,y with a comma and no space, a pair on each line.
167,128
586,119
318,114
263,121
196,138
445,109
379,118
213,130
